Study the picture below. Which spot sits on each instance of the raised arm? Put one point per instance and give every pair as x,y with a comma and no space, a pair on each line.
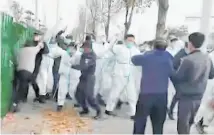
138,60
182,74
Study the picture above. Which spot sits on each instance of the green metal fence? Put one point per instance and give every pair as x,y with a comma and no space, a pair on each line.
13,36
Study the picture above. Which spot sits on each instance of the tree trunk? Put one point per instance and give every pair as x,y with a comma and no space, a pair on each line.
163,6
128,21
108,20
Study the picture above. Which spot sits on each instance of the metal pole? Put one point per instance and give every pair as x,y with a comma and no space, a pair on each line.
206,19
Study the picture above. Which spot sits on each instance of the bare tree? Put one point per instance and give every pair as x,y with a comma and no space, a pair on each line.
29,18
178,31
17,10
94,8
79,32
130,6
163,6
112,8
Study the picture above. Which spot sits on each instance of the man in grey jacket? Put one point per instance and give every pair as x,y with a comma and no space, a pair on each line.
192,75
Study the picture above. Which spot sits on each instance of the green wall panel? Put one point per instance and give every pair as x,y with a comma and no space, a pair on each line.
12,38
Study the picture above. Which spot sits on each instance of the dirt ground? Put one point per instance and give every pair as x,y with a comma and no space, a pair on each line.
43,119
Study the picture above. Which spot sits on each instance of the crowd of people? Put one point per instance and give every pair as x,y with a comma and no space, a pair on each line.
120,72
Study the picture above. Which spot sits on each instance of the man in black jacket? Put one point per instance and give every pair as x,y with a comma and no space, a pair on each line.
176,63
85,88
45,50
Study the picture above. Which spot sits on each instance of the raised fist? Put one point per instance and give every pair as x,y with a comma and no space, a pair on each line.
41,44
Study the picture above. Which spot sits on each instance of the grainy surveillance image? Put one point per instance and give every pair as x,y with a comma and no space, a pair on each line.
107,66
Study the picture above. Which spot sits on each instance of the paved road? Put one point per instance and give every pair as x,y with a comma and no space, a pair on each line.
31,119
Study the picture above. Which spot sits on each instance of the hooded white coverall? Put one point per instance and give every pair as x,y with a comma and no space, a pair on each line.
134,80
105,76
205,111
101,51
45,71
123,80
65,75
74,75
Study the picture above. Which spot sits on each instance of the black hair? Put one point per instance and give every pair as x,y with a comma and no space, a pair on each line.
87,44
197,39
129,35
173,40
88,38
160,44
120,42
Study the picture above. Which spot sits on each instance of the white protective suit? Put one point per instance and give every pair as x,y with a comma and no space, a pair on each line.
45,70
205,111
104,76
74,75
101,51
65,75
123,79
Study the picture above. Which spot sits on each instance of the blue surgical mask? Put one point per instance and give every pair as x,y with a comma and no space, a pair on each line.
129,44
81,50
67,41
69,51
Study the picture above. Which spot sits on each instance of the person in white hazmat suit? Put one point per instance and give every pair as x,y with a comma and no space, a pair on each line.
123,81
205,114
74,74
45,70
67,61
104,81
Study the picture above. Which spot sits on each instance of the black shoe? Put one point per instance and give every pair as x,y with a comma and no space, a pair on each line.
40,99
84,112
24,100
68,97
132,117
100,100
171,117
98,115
110,113
47,96
14,108
76,105
119,105
59,108
200,128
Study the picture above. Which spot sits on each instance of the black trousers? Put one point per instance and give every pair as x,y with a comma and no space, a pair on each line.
173,103
153,105
187,109
85,93
23,79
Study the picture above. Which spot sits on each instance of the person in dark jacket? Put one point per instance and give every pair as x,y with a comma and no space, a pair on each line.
156,68
192,76
85,89
87,39
176,63
38,60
